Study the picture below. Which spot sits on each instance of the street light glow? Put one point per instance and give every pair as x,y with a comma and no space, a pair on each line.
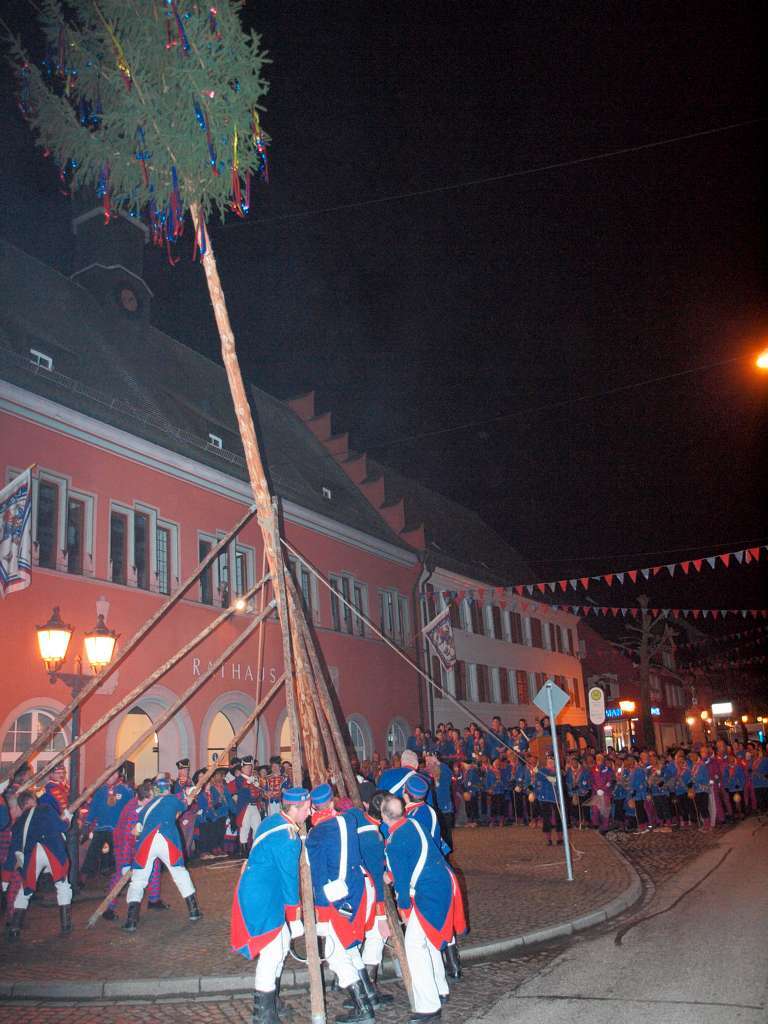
762,360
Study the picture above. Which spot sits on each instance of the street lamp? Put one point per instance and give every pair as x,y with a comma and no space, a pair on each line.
762,360
53,639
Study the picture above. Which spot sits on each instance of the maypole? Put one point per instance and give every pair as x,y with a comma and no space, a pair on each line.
153,105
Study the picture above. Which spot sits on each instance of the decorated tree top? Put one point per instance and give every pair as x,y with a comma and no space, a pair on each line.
152,103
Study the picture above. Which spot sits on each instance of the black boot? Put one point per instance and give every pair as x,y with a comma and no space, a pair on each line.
375,995
244,851
65,917
264,1008
15,925
284,1012
109,914
156,905
195,913
452,961
132,920
362,1011
425,1018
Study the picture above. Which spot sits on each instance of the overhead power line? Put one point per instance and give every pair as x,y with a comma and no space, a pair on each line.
507,176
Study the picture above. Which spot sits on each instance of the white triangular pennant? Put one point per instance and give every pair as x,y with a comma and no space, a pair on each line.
646,573
739,556
711,559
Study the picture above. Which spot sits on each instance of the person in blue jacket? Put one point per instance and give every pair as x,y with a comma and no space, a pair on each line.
368,825
416,790
104,810
637,791
475,783
760,779
734,781
440,794
338,885
158,838
266,907
701,781
496,739
38,845
430,904
544,786
521,783
394,779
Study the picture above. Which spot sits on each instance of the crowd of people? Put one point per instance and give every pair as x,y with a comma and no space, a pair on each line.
401,838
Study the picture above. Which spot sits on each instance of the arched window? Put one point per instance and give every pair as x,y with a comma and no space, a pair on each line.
360,734
397,736
25,730
220,736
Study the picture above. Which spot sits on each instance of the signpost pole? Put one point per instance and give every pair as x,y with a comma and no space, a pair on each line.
560,796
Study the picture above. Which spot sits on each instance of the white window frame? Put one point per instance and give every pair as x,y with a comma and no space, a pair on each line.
155,521
401,630
361,726
65,491
346,614
514,696
494,684
298,566
41,359
401,727
45,755
506,625
472,693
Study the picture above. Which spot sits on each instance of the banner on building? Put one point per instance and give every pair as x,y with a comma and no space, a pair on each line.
16,534
439,633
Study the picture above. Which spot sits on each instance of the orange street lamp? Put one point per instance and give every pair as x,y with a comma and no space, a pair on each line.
627,705
762,360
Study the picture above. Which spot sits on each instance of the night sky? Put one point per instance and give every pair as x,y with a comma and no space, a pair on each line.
488,308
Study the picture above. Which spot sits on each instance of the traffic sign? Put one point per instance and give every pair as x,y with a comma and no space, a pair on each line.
596,705
551,699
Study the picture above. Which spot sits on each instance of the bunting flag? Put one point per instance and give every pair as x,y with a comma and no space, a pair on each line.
439,633
745,556
16,534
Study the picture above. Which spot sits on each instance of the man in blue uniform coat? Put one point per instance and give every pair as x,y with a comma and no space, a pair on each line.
158,838
429,902
266,906
38,845
338,884
104,811
415,795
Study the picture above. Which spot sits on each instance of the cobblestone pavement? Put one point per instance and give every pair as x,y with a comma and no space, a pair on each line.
513,882
657,855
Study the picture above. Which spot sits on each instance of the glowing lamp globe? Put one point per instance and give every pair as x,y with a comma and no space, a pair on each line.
100,645
53,640
762,360
627,705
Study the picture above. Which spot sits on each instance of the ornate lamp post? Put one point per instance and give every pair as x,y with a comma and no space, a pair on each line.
53,639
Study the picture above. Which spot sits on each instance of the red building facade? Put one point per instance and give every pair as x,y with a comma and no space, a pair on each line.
138,474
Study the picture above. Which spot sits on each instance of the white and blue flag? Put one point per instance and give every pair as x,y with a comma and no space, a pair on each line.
16,534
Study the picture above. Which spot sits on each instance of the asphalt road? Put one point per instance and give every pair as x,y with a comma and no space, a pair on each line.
697,954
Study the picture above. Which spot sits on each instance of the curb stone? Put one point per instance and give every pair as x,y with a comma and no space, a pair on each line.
237,984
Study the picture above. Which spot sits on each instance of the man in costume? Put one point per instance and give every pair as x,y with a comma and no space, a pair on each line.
415,793
367,823
247,796
104,811
124,839
338,885
158,838
394,779
429,903
266,905
38,845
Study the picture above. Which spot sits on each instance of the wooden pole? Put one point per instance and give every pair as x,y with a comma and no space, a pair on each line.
152,622
168,714
325,732
138,690
115,891
316,999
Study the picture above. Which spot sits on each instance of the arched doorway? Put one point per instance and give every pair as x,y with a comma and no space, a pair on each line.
285,740
146,760
220,736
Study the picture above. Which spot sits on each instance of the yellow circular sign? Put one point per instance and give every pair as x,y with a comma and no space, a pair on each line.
595,693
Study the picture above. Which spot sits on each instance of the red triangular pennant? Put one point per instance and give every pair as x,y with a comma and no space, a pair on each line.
563,584
633,575
696,563
725,559
584,581
656,569
541,586
754,553
685,566
608,578
519,589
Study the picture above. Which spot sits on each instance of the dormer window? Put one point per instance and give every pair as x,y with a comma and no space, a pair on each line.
327,493
40,359
215,441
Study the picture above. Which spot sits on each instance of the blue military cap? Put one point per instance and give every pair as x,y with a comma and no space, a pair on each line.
161,784
417,786
297,795
321,794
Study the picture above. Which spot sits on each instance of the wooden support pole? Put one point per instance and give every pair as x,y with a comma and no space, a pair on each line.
330,748
152,622
316,998
168,714
137,691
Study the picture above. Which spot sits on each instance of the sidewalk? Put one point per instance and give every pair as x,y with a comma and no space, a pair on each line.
515,887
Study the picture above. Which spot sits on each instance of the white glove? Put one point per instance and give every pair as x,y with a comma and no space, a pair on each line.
4,785
600,792
125,870
322,929
296,928
335,890
20,858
